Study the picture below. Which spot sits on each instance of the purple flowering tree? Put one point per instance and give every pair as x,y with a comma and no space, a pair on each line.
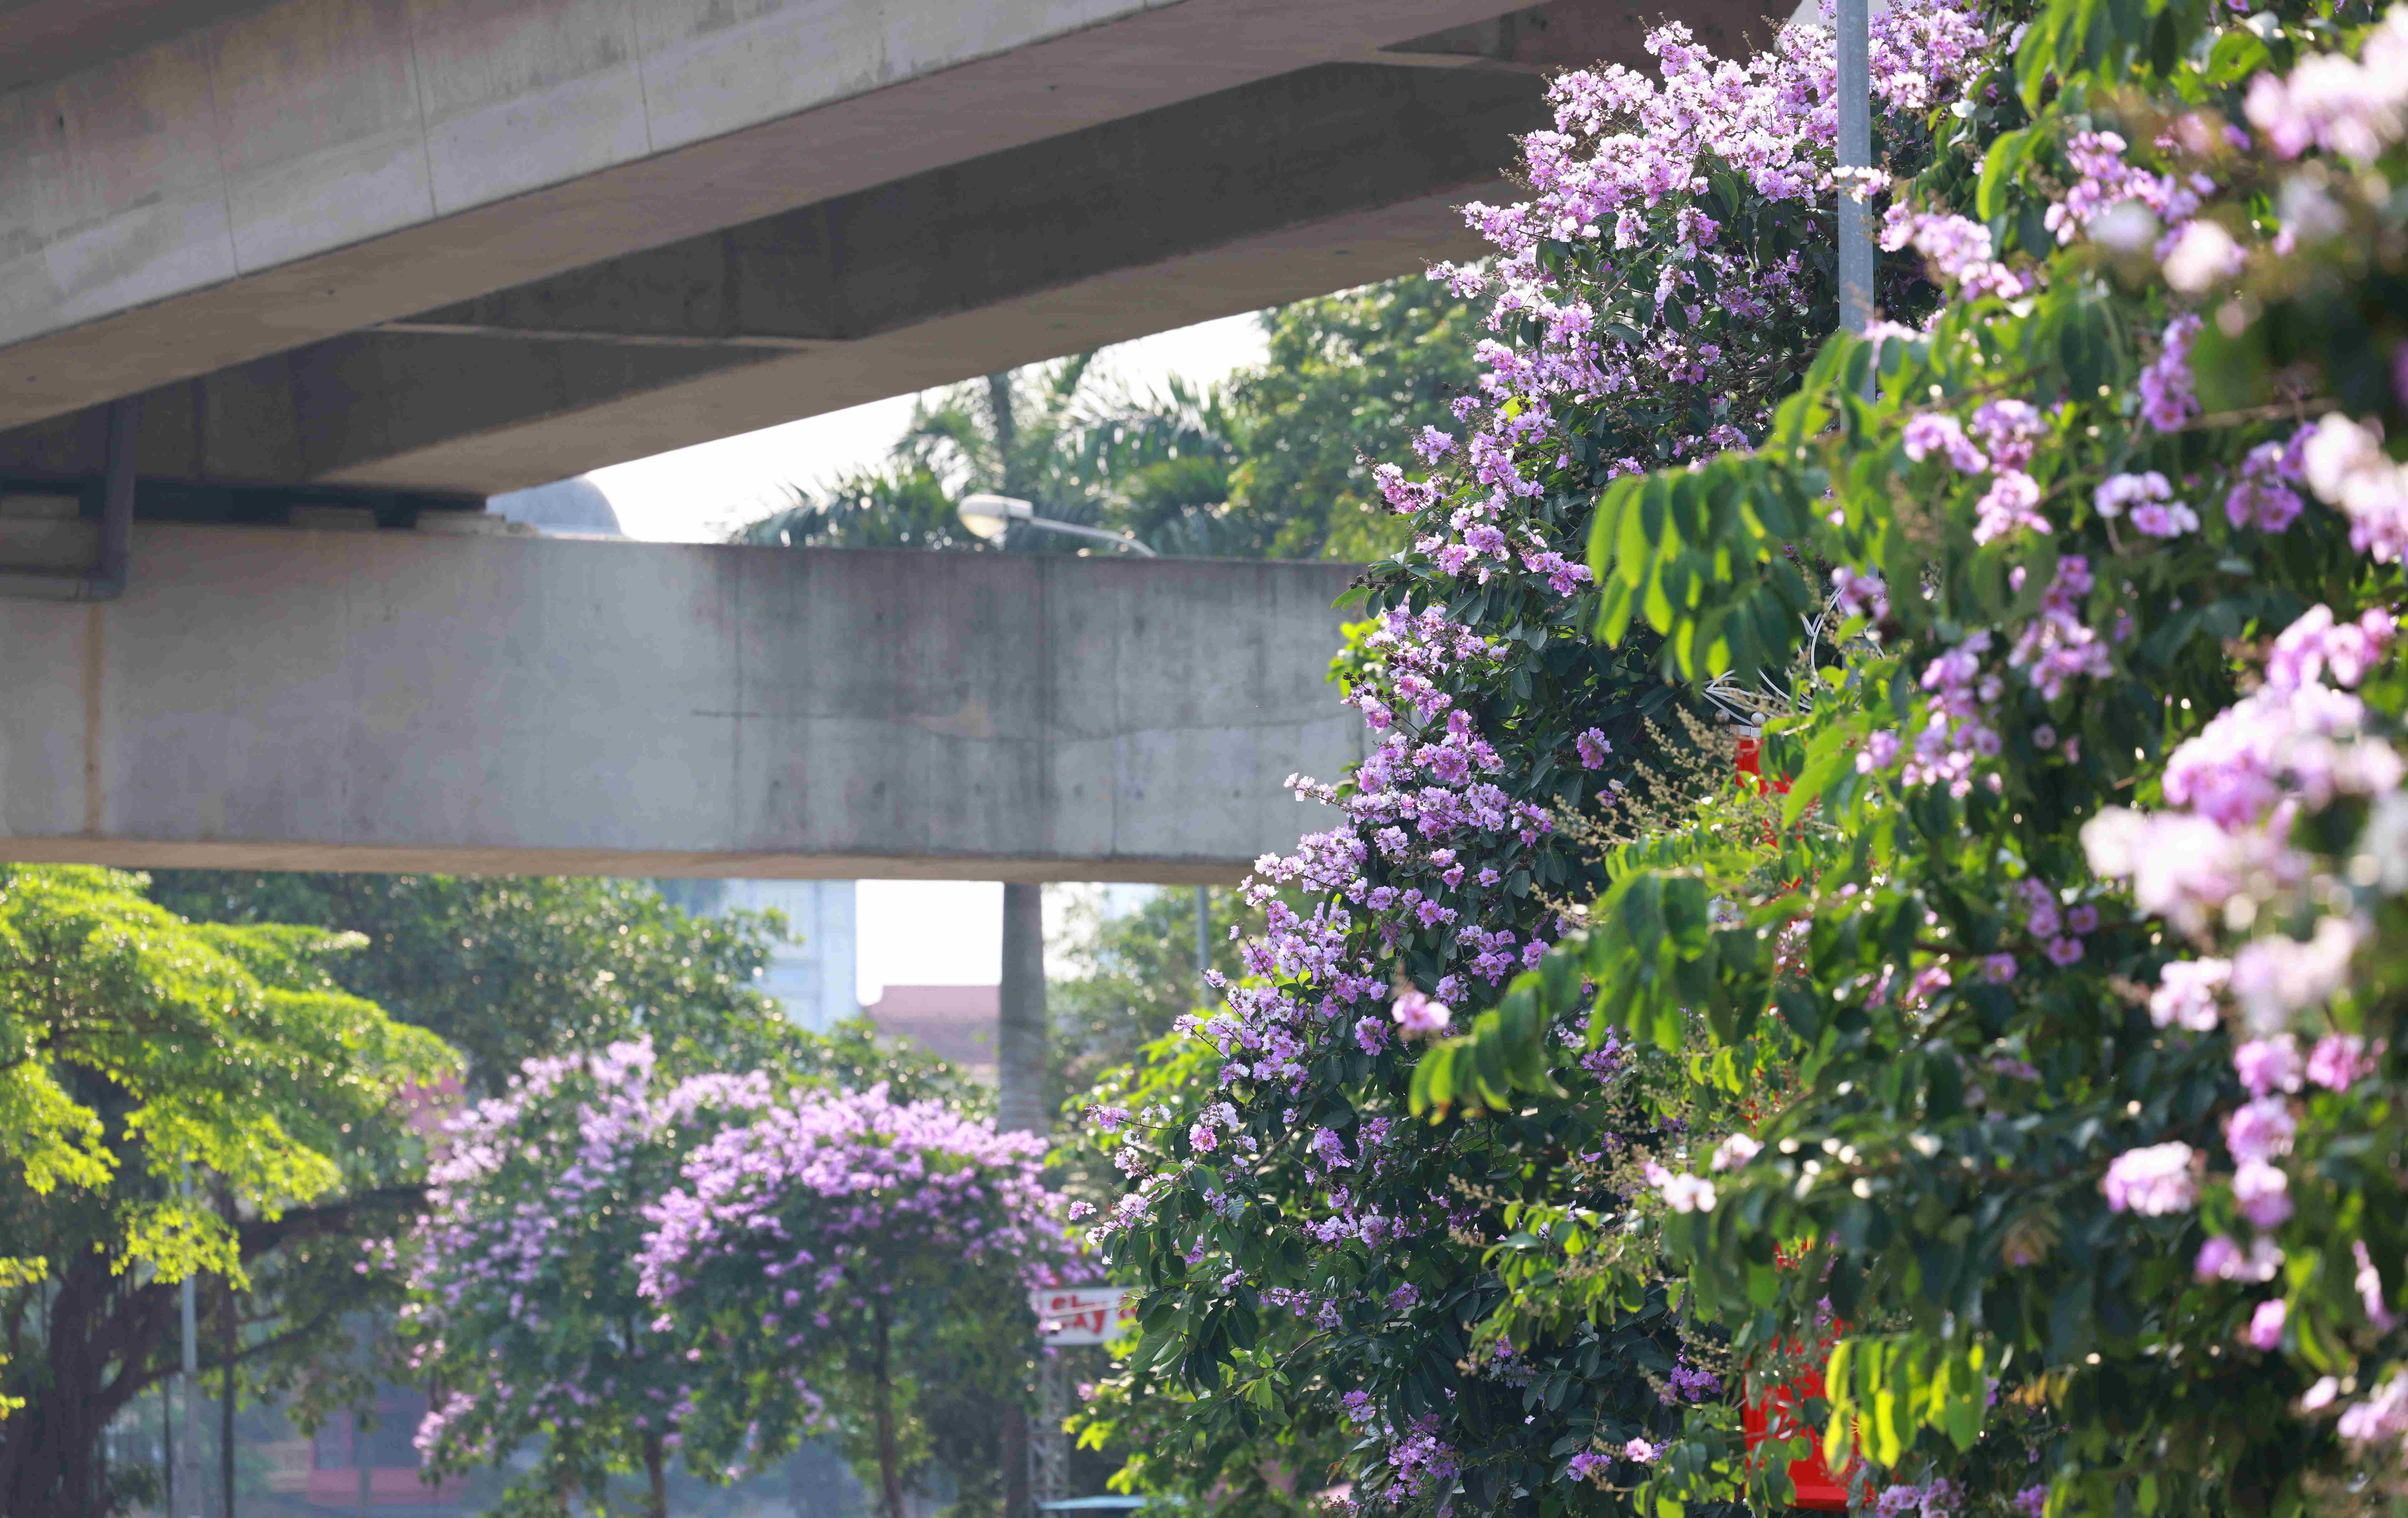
2038,1057
821,1266
525,1313
1478,1314
2080,953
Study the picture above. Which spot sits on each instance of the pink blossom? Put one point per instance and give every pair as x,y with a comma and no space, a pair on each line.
1681,1192
2222,1259
2260,1130
1931,433
2348,468
2355,107
2338,1061
2269,1065
1419,1016
2265,1330
1735,1150
2263,1192
2153,1180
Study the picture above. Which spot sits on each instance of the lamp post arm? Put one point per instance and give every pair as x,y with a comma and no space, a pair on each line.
1096,533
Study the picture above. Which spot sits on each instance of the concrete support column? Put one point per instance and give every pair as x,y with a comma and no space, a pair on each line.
1020,1108
1020,1033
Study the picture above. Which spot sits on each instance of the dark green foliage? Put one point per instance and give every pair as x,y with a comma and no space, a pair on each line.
1268,465
1350,380
140,1044
506,969
1134,976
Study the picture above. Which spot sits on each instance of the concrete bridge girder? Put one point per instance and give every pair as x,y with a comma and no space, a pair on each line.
303,168
330,217
280,698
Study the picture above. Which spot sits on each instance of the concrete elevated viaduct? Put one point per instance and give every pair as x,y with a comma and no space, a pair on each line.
455,247
435,699
366,262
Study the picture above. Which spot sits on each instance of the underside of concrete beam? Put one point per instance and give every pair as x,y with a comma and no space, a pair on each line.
291,172
1273,191
1258,194
280,698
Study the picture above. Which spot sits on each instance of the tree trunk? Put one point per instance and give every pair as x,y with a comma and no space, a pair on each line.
104,1338
657,1468
1020,1032
1007,471
890,1478
51,1461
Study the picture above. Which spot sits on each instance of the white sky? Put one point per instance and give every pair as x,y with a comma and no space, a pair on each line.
925,933
951,932
906,932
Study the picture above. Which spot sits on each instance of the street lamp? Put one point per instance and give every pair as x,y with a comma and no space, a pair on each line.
991,516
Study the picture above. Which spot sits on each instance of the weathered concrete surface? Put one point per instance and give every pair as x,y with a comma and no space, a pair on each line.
290,173
48,39
503,253
275,698
1285,188
1575,34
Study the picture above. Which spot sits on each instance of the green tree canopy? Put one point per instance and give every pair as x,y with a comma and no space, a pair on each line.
1059,436
142,1049
1265,466
1130,979
505,969
1351,376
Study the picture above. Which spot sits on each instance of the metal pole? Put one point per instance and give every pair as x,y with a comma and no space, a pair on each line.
1203,936
168,1443
1855,152
229,1341
191,1379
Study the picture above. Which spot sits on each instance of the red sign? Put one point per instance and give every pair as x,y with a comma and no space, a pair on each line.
1749,761
1083,1314
1776,1416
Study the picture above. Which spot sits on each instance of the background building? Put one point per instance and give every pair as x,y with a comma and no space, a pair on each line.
811,973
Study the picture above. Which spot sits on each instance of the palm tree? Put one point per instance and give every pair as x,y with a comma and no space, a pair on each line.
1155,465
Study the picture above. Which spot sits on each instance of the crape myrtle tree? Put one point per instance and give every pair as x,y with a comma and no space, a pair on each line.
143,1051
821,1266
2038,1056
527,1316
1318,1264
2080,949
524,1320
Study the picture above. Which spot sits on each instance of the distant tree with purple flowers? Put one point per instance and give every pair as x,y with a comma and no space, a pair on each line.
819,1265
527,1315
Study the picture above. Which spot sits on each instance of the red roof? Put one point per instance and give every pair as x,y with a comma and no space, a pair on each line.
955,1023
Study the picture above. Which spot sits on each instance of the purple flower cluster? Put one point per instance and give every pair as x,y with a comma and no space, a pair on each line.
534,1192
2354,107
817,1194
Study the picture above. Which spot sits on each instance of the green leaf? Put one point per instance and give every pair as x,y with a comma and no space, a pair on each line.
1999,166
